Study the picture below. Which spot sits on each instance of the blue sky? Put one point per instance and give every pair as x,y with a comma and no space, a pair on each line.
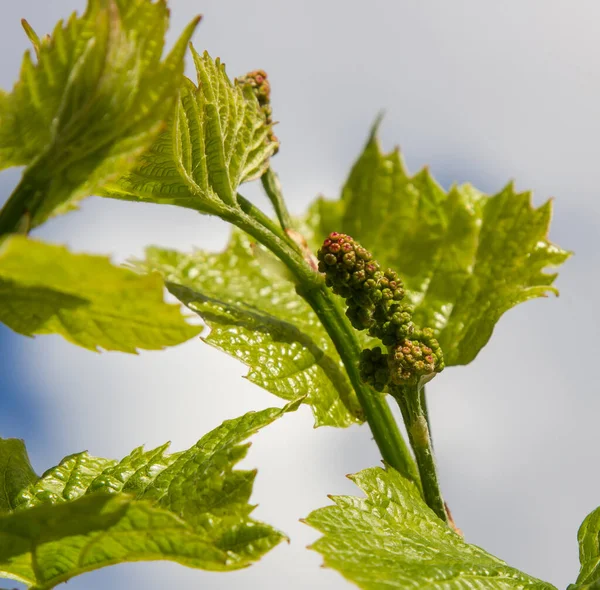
482,92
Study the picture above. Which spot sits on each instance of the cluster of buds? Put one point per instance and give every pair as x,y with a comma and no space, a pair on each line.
374,369
374,303
419,356
258,81
351,271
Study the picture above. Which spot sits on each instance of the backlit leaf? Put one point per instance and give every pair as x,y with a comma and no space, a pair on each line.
465,257
589,553
391,540
256,316
46,289
94,98
217,139
191,507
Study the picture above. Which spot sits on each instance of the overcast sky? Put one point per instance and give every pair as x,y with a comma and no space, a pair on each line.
482,92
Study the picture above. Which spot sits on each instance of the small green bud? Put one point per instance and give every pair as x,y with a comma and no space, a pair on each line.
373,367
360,317
349,260
358,277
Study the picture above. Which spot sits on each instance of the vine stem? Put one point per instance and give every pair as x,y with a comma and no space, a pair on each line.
311,286
377,412
15,216
272,186
409,399
423,402
254,212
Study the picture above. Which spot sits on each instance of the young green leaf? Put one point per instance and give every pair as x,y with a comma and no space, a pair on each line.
391,539
589,553
95,98
217,139
465,257
190,507
16,472
256,316
45,289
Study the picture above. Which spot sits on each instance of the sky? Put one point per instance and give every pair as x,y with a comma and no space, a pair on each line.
479,91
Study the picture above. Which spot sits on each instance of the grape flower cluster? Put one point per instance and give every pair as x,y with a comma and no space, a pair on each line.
258,81
374,303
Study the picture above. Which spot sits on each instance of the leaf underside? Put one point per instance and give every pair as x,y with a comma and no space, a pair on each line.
391,539
216,139
191,507
92,101
589,553
45,289
465,257
256,316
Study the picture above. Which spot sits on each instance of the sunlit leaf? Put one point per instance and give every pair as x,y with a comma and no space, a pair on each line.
16,472
217,139
589,553
46,289
191,507
465,257
391,540
94,98
256,316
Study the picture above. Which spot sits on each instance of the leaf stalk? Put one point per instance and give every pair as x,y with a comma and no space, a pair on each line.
272,186
409,398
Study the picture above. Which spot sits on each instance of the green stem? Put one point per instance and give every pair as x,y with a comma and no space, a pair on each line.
16,215
278,242
254,212
423,402
272,186
377,412
311,286
409,400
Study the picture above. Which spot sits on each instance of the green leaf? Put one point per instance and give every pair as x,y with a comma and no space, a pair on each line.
217,139
16,472
589,553
45,289
95,98
391,539
190,507
256,316
465,257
